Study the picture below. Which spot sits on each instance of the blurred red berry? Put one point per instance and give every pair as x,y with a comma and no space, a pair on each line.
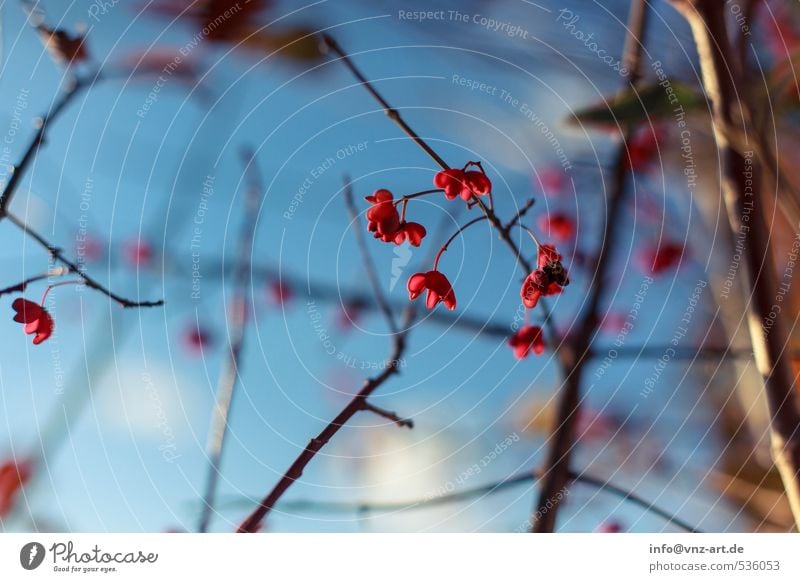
643,147
559,225
137,253
350,313
280,292
438,287
89,249
35,317
609,527
197,339
657,259
550,181
13,477
527,339
614,322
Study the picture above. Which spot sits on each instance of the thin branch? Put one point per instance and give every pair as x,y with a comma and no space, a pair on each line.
58,255
472,493
358,403
237,318
745,214
20,287
401,422
38,140
366,258
557,465
520,214
331,44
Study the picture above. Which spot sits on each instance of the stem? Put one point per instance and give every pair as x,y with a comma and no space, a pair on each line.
20,287
707,21
392,113
408,197
480,491
38,139
401,422
452,238
557,469
238,325
54,285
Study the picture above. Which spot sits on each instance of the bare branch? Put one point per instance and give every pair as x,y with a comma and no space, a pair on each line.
38,139
237,320
493,488
58,255
401,422
746,216
20,287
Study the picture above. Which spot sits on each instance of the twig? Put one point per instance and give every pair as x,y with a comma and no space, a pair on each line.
557,470
366,258
58,255
237,318
520,214
475,492
401,422
358,403
331,44
745,214
20,287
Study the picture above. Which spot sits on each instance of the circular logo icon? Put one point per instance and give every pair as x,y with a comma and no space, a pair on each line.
31,555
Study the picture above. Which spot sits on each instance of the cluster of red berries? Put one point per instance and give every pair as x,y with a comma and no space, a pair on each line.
469,184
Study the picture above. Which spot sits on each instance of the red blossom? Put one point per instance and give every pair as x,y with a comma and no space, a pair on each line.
35,317
548,254
457,182
558,224
439,289
411,231
656,259
527,339
13,476
548,279
382,218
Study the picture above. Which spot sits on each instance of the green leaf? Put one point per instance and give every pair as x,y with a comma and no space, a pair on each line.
653,102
